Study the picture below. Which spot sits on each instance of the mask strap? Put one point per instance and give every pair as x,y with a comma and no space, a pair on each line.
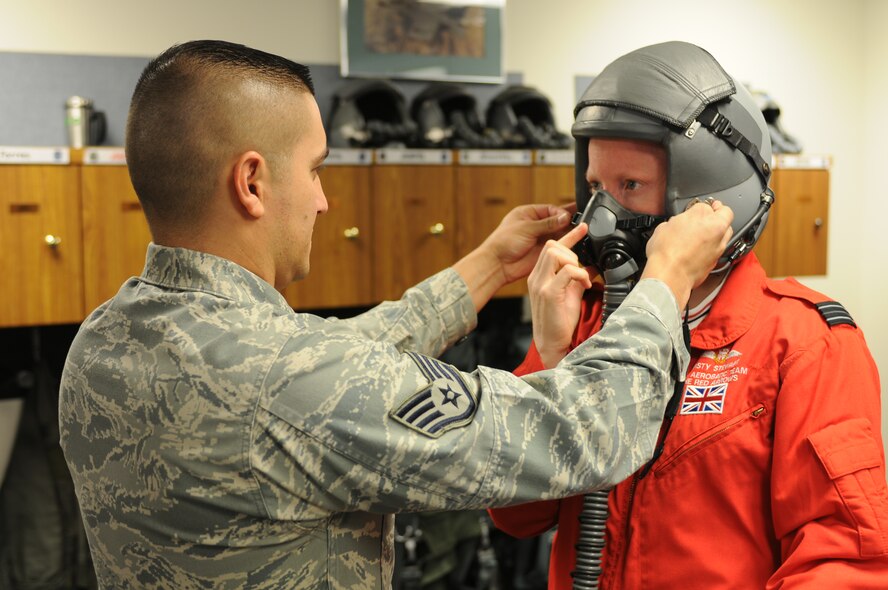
641,222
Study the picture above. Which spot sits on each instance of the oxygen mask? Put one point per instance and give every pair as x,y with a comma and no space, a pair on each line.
616,239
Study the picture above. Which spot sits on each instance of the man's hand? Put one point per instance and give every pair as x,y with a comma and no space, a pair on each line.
556,287
520,236
683,250
510,251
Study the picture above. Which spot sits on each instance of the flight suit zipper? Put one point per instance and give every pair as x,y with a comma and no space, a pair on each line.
720,430
616,559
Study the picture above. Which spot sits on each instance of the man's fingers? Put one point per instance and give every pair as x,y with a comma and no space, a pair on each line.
551,219
554,210
724,212
571,238
577,273
727,216
568,274
544,218
554,256
555,222
729,232
562,256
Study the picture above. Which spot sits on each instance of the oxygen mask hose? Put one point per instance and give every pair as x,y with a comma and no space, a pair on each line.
615,244
590,543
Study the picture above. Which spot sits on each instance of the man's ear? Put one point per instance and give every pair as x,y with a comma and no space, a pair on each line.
251,176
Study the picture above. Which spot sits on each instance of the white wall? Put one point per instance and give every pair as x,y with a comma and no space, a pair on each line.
304,30
824,61
868,112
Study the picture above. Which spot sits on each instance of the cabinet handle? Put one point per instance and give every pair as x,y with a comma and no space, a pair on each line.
351,233
818,223
24,208
437,229
51,240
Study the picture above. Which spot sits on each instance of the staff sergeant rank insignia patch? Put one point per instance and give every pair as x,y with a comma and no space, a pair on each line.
446,403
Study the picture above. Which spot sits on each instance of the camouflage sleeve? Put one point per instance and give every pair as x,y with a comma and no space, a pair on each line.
428,319
350,424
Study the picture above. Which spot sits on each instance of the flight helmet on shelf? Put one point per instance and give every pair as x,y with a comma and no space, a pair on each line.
781,141
370,114
522,116
447,117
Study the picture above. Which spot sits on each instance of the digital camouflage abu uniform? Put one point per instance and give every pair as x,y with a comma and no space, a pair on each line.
217,439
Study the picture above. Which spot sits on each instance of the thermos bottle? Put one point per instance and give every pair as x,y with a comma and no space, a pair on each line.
85,126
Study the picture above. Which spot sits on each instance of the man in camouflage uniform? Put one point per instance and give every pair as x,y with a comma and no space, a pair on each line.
217,439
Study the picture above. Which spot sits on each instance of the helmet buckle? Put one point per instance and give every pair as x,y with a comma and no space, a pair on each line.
722,126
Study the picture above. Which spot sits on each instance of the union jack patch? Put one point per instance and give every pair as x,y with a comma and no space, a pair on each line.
704,400
446,403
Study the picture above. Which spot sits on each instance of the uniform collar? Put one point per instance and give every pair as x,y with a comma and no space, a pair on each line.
735,308
190,270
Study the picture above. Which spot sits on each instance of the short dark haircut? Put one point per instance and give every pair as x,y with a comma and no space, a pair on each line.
183,110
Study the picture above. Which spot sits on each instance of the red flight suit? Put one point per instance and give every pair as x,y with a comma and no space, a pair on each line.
773,472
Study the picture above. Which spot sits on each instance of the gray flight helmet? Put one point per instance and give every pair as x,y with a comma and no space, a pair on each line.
716,139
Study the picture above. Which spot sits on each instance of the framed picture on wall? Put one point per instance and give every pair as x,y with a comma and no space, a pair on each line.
458,40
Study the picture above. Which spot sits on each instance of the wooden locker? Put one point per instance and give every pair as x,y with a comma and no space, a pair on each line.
341,272
485,193
115,232
414,233
41,248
